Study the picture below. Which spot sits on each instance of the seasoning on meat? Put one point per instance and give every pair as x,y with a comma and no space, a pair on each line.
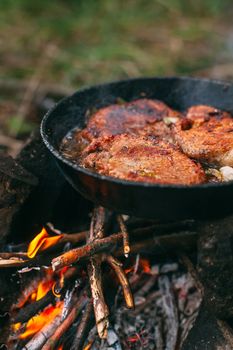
140,158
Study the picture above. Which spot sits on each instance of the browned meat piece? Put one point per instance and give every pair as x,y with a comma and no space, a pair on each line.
204,112
140,158
132,117
206,134
143,116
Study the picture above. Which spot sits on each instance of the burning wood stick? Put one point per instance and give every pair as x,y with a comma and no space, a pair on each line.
117,267
125,233
41,337
25,313
91,248
95,277
83,328
27,292
31,309
64,326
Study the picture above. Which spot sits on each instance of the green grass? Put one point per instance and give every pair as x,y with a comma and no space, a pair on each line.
100,40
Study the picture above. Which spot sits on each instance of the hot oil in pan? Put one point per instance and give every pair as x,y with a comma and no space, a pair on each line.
73,144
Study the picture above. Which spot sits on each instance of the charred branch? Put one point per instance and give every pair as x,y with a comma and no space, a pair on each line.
26,292
83,328
31,309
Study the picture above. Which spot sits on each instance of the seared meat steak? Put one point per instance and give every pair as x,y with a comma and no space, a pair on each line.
204,112
138,116
141,158
206,134
141,117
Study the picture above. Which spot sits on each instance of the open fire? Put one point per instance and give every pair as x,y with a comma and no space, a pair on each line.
75,297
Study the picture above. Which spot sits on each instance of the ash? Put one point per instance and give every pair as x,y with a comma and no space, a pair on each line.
167,302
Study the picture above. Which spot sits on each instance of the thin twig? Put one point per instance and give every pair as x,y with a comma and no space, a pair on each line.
116,265
91,248
125,233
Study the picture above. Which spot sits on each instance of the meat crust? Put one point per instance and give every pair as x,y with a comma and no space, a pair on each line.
140,158
206,134
139,117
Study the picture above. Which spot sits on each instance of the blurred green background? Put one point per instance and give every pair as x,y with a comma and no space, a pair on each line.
66,44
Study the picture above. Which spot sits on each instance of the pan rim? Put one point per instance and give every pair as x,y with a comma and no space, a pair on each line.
117,181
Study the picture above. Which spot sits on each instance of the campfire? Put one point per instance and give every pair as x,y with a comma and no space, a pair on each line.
97,289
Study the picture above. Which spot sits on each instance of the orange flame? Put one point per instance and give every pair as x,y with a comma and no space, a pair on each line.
61,281
16,326
88,346
57,295
60,347
144,265
41,242
43,288
37,322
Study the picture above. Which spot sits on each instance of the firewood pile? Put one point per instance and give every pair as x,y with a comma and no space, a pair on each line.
72,307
